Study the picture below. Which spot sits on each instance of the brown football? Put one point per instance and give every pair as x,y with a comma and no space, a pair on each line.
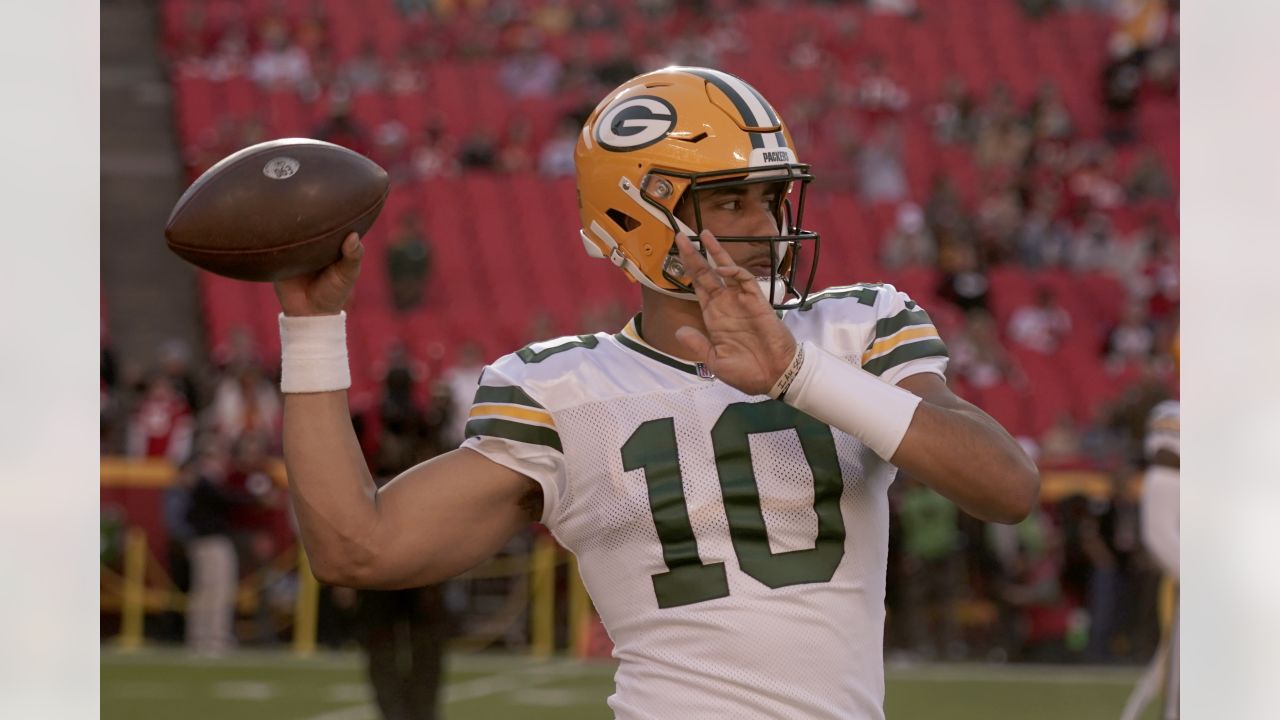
276,209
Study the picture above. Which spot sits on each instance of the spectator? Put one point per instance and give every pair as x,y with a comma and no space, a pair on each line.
881,178
324,78
108,388
1121,81
175,364
1162,280
405,75
409,259
1163,66
553,17
244,401
1036,9
1092,184
478,151
619,66
175,504
1034,594
1132,340
363,73
230,58
556,157
1049,117
514,153
933,571
162,425
599,16
1148,179
1042,239
340,129
1141,24
461,381
433,157
261,526
1041,326
1092,246
530,72
313,33
805,53
952,117
878,94
1061,443
402,419
578,72
906,8
1002,144
909,243
998,219
403,632
212,554
391,150
280,64
415,9
943,210
964,283
977,357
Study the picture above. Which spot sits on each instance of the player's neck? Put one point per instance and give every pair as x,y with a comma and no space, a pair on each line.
664,315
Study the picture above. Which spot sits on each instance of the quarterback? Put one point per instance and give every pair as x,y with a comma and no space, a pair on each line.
719,466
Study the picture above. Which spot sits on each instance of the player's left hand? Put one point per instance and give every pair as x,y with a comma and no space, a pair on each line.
746,345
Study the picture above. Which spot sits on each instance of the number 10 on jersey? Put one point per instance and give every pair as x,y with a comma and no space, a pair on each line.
652,448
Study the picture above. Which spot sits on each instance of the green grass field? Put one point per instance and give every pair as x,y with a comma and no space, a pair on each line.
168,685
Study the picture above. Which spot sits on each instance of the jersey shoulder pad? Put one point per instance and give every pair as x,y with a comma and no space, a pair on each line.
879,325
547,370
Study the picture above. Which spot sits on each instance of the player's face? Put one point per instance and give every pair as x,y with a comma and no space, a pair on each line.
743,210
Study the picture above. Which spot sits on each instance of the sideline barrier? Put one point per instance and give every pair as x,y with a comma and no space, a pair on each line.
534,594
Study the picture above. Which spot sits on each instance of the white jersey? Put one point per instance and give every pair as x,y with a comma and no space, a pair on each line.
1160,489
734,547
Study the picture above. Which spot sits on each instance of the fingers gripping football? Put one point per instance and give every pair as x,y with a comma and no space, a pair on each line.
327,291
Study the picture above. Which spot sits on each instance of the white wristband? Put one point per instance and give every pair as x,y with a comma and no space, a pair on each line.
851,399
313,353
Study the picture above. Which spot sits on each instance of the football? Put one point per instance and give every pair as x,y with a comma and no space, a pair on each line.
276,209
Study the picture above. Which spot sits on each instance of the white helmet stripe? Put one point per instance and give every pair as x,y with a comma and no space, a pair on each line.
753,107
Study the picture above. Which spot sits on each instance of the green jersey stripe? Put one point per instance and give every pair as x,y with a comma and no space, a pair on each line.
505,394
865,292
890,325
512,430
932,347
655,355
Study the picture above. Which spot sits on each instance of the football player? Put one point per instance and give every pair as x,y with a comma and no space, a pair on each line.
1160,533
719,466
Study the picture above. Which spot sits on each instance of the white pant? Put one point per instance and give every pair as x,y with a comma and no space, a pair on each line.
211,602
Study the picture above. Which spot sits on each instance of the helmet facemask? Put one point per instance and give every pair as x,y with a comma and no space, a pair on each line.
792,268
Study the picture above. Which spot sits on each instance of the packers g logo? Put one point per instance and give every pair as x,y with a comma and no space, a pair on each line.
635,123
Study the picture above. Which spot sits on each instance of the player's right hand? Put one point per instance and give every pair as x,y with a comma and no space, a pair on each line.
326,291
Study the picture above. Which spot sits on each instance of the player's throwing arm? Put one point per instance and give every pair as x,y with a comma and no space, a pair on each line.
433,522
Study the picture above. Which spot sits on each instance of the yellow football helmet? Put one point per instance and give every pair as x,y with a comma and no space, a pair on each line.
658,140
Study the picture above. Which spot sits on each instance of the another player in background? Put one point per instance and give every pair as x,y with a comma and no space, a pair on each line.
719,466
1160,534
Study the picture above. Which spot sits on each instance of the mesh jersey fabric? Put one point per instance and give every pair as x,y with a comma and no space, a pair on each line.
734,548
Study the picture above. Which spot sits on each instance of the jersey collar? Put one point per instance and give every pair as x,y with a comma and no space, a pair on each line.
631,339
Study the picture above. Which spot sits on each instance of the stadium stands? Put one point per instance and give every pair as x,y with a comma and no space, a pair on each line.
491,232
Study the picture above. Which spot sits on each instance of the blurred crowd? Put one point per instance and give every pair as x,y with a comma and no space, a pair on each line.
1072,582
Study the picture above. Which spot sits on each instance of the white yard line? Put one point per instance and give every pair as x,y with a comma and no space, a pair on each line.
523,679
243,690
1030,674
